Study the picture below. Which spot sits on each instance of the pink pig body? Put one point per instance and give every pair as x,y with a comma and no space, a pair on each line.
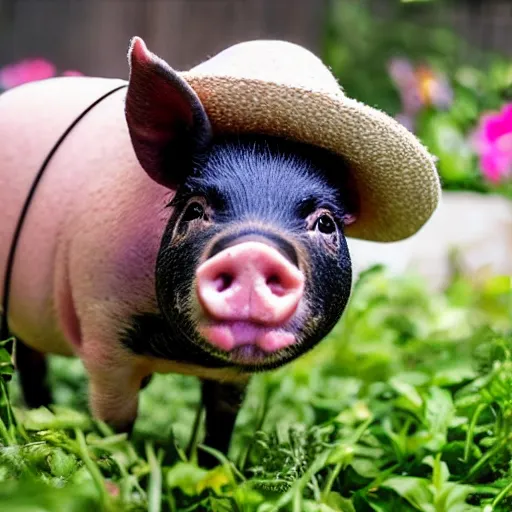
88,247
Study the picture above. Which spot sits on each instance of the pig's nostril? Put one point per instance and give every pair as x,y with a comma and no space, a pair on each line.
275,284
273,279
223,282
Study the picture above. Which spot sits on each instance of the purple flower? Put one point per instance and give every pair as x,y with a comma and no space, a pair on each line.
404,77
419,87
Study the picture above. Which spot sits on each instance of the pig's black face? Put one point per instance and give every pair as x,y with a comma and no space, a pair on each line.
254,269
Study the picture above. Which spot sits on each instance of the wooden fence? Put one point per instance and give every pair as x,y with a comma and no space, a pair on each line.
92,35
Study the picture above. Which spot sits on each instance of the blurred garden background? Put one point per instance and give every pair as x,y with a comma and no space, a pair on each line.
442,68
407,405
439,66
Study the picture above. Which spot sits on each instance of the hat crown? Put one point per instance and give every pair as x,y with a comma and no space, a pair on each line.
281,62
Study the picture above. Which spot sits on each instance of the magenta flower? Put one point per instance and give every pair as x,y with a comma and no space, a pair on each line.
25,71
492,141
30,70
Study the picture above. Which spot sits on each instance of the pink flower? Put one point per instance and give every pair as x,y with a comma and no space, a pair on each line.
72,72
25,71
492,141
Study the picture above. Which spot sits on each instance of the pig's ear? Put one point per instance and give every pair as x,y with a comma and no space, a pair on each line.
167,123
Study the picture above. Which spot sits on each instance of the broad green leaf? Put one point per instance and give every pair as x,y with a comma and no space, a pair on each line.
415,490
185,476
439,412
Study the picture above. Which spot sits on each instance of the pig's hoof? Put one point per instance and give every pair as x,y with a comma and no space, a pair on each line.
33,370
124,428
37,397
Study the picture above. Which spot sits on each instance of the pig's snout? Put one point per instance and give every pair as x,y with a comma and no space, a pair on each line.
248,291
250,281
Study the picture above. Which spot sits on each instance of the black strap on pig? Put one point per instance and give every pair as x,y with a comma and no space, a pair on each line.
4,328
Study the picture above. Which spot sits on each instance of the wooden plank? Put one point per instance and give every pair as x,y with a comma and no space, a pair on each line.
188,32
33,28
106,31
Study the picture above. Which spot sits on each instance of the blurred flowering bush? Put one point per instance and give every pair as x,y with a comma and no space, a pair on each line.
29,70
473,136
418,88
461,108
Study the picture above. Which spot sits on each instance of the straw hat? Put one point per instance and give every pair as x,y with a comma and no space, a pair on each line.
282,89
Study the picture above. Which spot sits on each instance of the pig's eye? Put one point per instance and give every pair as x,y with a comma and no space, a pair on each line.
325,224
194,211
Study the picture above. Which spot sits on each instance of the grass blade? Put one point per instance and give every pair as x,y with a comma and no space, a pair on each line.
155,481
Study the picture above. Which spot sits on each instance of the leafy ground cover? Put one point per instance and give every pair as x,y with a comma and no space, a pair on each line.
407,406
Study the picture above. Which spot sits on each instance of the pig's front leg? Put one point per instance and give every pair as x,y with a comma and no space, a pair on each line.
114,385
114,398
222,401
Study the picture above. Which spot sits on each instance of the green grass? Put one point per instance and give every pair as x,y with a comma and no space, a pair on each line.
407,406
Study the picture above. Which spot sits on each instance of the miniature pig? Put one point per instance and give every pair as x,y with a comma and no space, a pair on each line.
192,222
149,251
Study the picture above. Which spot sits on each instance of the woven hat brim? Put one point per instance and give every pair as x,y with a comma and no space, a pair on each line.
396,178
